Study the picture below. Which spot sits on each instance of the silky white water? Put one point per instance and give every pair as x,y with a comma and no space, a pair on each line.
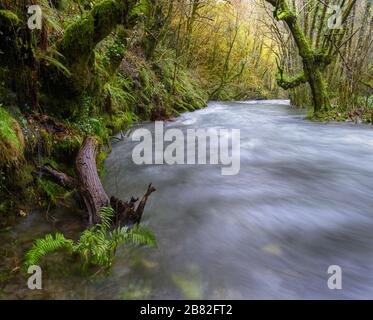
302,201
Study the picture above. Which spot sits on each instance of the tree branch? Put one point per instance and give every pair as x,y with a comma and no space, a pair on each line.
287,82
80,39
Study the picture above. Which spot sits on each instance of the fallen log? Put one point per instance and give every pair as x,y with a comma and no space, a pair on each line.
92,191
58,177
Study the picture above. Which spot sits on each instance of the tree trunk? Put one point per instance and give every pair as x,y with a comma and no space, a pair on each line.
78,44
93,193
319,90
316,60
90,185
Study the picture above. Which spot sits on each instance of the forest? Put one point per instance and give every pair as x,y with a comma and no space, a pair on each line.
77,75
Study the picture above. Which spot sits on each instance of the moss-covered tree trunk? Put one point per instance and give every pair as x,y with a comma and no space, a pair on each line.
17,52
318,87
81,38
314,60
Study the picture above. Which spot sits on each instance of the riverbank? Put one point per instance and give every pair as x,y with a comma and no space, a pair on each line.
141,90
354,115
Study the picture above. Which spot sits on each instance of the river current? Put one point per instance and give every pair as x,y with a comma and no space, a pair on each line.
302,201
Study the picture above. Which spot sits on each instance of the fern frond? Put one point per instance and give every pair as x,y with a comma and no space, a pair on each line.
96,245
51,16
138,236
54,62
45,246
107,215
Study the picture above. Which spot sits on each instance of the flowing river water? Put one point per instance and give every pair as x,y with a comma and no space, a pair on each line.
302,201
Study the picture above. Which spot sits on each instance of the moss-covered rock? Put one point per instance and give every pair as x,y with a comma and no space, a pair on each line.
12,142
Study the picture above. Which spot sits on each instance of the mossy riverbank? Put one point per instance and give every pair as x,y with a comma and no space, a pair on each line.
141,90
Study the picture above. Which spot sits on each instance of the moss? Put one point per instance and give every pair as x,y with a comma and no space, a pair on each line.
51,190
115,52
285,14
101,157
319,88
159,94
6,275
287,82
106,16
66,148
8,32
11,140
121,120
146,88
340,114
77,42
46,141
23,176
77,47
8,19
314,61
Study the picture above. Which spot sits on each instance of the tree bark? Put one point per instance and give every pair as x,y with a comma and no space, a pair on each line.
92,191
58,177
312,71
90,185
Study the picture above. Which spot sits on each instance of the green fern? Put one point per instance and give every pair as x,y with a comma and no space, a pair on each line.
107,214
45,246
96,245
136,236
53,61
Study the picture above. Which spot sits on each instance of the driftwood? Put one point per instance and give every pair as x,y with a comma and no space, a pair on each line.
91,190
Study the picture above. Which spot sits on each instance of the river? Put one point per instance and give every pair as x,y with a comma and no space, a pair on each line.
302,201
